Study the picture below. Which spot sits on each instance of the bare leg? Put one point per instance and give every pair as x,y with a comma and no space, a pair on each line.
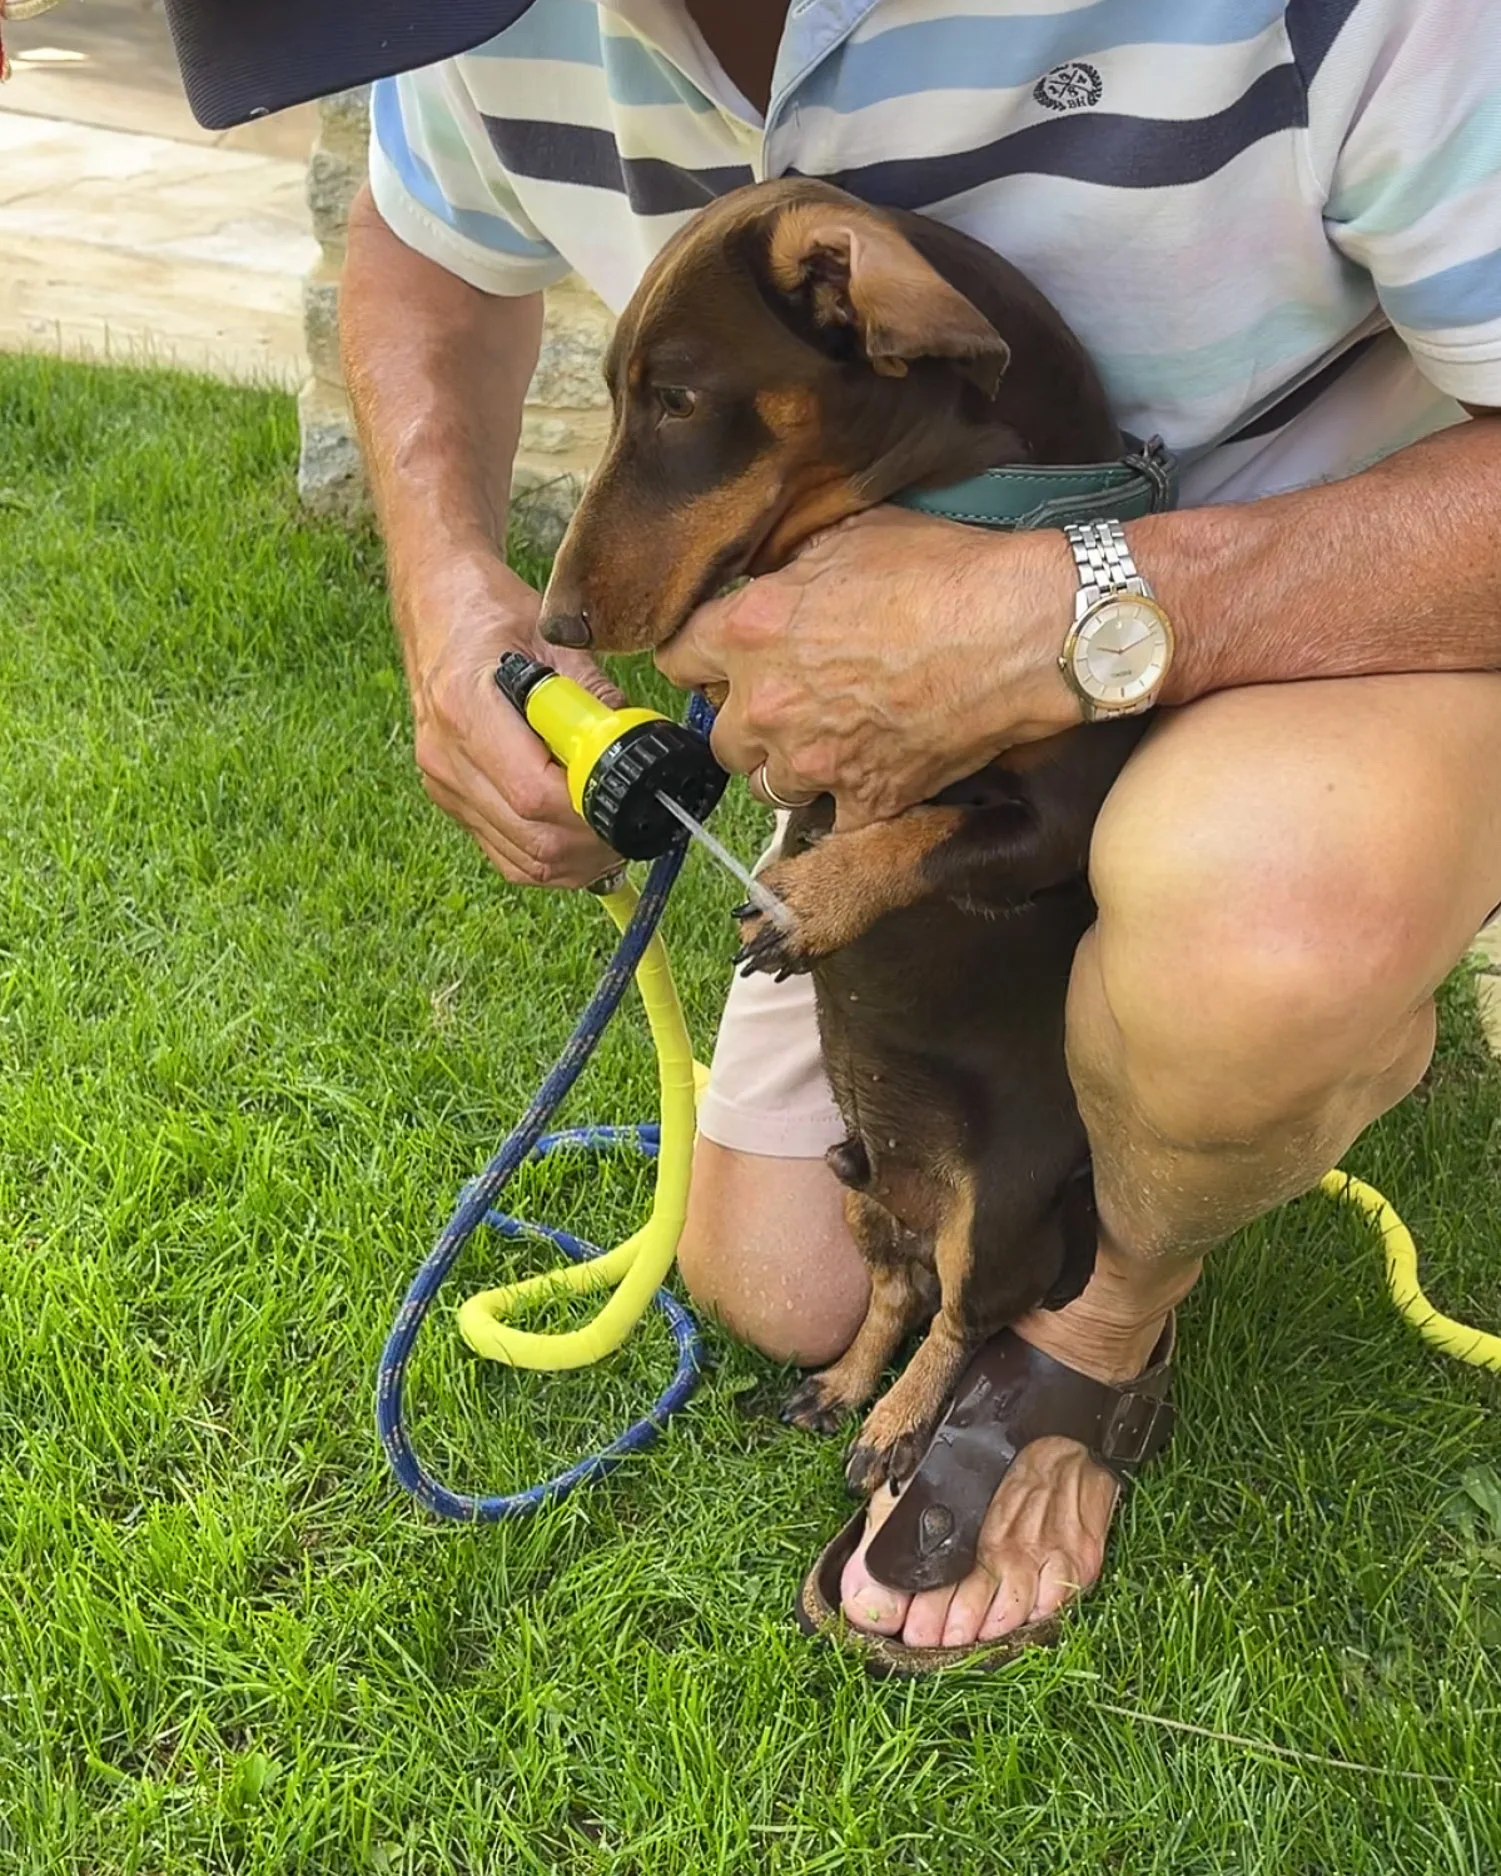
1284,876
767,1251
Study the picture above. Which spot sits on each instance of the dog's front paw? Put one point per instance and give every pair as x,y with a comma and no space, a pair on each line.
890,1445
817,1407
780,946
829,896
768,947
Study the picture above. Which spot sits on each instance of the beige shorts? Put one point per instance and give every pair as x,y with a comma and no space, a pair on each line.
767,1093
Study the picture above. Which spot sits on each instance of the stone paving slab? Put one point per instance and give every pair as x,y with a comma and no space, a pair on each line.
110,63
120,245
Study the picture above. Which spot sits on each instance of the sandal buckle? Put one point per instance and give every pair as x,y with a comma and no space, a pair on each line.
1138,1425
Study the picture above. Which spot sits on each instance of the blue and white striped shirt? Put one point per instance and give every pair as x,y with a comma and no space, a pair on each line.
1276,224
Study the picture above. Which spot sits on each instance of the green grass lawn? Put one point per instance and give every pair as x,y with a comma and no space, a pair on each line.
261,1011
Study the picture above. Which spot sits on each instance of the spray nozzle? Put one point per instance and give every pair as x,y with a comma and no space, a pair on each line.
617,761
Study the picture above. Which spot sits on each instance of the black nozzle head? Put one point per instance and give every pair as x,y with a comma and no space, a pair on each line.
621,795
518,676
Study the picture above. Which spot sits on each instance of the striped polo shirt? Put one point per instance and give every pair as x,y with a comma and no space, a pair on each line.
1276,224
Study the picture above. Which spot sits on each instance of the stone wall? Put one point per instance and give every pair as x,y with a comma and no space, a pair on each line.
330,477
567,408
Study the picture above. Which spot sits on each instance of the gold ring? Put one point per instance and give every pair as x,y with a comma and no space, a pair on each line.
768,793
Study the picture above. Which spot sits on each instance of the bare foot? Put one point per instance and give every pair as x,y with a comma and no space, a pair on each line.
1043,1540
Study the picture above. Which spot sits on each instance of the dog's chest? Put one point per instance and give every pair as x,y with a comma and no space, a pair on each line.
927,1043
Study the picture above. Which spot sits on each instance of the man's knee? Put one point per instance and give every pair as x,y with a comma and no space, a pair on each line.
1259,953
765,1251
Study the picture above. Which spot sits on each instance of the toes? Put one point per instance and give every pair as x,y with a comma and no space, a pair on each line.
903,1455
768,946
968,1609
1043,1542
928,1617
868,1604
875,1459
1060,1579
1011,1606
772,951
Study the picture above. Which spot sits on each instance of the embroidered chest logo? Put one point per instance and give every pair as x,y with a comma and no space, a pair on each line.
1071,87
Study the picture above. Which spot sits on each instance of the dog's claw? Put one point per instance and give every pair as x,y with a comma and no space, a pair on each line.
772,950
864,1470
870,1466
810,1408
766,950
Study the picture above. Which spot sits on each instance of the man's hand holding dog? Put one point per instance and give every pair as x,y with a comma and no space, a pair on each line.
896,654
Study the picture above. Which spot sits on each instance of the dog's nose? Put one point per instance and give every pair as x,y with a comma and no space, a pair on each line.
566,628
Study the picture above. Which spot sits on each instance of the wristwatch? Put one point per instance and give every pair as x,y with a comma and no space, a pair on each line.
1120,644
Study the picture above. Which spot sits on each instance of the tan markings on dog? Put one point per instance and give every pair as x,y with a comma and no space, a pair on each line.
829,501
656,574
837,890
898,1427
788,412
895,1304
902,1294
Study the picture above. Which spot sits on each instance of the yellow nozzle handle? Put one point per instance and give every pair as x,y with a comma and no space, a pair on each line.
578,728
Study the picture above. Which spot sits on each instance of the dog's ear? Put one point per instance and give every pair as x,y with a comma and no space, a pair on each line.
860,273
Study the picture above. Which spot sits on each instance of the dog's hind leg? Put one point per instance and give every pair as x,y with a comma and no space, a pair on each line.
902,1293
896,1430
989,1273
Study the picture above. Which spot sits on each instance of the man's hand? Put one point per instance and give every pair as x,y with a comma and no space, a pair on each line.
896,654
480,761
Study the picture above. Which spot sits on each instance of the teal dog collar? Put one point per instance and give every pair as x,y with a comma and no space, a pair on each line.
1046,495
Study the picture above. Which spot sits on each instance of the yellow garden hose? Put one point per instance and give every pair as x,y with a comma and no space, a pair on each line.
639,1266
642,1262
617,762
1458,1339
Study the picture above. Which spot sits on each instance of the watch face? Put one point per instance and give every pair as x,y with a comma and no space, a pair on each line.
1121,651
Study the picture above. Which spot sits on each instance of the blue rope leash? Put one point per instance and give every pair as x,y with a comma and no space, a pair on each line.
476,1207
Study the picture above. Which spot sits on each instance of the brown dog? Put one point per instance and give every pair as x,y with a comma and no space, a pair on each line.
793,356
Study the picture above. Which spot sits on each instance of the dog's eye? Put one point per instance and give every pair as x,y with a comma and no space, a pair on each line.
676,400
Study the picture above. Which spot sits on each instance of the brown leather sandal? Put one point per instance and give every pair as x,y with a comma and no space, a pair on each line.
1008,1396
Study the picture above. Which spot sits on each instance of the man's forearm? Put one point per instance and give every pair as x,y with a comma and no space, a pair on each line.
898,653
1396,569
437,374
